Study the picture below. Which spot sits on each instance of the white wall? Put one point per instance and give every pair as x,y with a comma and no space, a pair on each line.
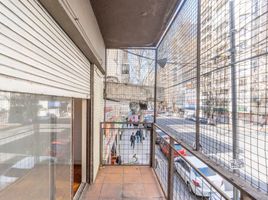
98,117
83,15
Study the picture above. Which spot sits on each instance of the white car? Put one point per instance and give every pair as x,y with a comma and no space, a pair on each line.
227,188
194,181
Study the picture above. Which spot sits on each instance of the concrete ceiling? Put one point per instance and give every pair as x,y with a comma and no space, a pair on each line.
133,23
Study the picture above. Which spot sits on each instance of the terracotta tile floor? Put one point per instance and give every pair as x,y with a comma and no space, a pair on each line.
124,183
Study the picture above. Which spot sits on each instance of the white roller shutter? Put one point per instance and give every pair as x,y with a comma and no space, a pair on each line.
36,56
98,115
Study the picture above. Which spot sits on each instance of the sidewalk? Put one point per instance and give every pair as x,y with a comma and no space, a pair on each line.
142,150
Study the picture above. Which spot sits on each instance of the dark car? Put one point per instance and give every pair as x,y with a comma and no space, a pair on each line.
159,136
203,120
148,120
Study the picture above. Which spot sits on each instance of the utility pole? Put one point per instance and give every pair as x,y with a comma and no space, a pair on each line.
197,124
234,89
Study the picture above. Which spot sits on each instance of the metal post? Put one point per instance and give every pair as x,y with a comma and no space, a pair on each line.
105,84
53,151
88,146
101,143
152,145
155,85
244,196
233,86
170,170
197,123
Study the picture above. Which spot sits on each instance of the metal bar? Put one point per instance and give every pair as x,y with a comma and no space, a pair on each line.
181,3
145,165
139,48
159,181
155,85
170,170
172,147
233,88
101,145
88,138
152,153
233,79
53,151
126,128
197,123
227,175
126,123
105,86
237,62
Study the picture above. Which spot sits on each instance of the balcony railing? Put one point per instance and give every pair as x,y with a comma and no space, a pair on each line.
180,174
126,143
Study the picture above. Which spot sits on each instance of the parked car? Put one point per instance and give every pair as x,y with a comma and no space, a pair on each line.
203,120
190,117
159,136
164,146
194,181
148,119
227,188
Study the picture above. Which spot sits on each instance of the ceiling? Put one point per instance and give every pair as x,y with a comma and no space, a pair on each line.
133,23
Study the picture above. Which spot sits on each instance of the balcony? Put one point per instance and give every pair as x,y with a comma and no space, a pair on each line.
142,161
125,182
197,131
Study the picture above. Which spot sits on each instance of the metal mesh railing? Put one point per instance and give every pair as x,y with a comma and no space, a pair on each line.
178,76
183,176
126,144
129,84
214,82
211,84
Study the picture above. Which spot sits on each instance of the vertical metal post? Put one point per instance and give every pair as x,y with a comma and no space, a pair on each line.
170,170
88,146
105,84
233,86
244,196
102,130
197,123
53,154
152,145
155,85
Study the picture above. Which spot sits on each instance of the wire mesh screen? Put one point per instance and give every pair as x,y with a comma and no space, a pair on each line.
233,83
125,144
215,69
251,78
130,84
177,75
250,65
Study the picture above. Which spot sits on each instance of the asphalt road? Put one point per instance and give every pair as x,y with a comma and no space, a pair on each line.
185,130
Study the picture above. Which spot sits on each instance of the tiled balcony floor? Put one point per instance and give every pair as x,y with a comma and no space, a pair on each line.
123,183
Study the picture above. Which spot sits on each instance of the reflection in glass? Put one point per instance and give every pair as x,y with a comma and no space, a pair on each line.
35,146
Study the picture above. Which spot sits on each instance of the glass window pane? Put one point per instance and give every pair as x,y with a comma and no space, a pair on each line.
35,146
